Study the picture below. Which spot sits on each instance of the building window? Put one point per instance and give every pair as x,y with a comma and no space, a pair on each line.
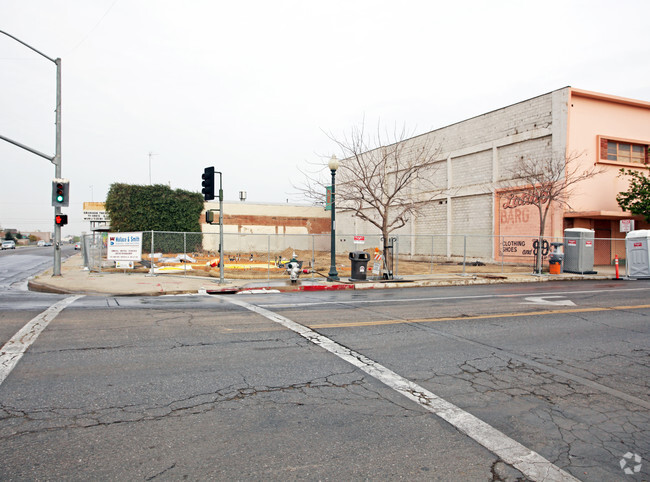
625,152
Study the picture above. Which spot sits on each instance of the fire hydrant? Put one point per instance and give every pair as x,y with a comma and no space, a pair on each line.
293,268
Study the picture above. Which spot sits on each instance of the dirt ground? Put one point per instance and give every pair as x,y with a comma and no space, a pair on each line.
240,266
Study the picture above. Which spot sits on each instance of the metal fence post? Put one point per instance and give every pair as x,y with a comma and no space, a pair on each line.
432,250
464,252
184,254
396,270
101,255
501,251
313,255
151,256
268,257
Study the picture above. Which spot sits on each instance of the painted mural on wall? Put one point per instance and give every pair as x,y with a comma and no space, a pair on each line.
517,227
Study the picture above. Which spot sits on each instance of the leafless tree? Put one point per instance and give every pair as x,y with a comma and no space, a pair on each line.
548,181
384,178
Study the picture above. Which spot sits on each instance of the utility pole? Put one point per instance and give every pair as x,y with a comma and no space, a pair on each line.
150,154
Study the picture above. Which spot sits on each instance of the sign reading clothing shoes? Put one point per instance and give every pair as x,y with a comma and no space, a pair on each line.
124,246
517,224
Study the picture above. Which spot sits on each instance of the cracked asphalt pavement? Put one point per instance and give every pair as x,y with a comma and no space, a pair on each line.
196,387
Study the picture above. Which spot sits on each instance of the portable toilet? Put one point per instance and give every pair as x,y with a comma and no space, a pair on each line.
637,249
579,251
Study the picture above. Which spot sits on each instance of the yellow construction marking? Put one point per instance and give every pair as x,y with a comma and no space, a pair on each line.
477,317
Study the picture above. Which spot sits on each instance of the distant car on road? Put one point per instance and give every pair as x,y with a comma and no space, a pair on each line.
48,243
8,244
77,246
40,244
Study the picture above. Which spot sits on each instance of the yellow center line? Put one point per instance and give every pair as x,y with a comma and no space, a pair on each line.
477,317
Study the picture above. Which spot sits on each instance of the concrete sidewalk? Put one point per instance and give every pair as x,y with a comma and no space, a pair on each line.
75,279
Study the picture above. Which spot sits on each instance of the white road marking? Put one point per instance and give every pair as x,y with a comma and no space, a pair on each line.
529,462
13,350
546,300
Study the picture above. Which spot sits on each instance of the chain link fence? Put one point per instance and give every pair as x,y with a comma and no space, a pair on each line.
259,256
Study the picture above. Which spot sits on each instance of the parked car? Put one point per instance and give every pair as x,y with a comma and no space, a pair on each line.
8,244
77,246
40,244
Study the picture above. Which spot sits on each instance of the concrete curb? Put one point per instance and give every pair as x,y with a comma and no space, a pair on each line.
77,281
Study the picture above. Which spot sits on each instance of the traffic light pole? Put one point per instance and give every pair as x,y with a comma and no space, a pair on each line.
208,195
56,160
57,171
220,228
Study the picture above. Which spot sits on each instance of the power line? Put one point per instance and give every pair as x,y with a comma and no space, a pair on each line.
93,29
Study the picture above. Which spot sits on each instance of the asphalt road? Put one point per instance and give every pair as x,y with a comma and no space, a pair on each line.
16,265
424,384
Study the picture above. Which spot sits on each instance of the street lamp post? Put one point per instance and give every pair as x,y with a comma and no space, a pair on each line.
333,275
56,160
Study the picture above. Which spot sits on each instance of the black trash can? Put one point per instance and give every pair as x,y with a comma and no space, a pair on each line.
359,261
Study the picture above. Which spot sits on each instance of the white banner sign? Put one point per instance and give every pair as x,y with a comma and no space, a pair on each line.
96,216
95,212
124,247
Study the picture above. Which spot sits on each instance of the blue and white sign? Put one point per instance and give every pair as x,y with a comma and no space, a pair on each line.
124,247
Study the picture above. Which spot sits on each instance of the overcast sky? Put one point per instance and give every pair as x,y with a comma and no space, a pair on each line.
251,87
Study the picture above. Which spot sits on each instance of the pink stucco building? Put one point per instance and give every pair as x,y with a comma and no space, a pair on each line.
613,132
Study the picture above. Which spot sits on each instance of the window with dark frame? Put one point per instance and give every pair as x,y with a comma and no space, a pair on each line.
625,152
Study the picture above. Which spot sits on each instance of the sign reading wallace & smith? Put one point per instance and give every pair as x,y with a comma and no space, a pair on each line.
124,247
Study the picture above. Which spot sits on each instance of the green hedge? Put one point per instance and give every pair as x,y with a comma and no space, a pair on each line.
172,242
157,208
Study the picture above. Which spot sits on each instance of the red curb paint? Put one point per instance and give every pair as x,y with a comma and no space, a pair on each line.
327,288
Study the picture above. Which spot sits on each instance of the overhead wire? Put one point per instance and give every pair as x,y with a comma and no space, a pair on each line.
85,37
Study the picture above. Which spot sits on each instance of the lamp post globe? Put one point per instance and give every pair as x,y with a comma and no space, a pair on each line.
333,164
333,275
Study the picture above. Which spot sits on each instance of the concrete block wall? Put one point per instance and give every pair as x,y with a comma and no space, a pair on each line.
510,154
472,214
471,169
500,124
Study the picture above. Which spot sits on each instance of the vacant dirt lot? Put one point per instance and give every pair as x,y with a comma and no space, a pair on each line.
243,267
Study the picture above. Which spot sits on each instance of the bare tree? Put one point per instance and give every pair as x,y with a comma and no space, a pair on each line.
383,178
548,181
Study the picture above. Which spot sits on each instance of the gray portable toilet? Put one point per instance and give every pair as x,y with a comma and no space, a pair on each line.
579,251
637,253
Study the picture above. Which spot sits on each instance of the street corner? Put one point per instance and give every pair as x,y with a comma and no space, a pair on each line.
39,286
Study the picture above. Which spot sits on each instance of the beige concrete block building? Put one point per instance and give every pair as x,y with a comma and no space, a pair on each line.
477,157
250,227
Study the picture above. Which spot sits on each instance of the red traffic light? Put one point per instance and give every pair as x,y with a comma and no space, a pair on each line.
61,219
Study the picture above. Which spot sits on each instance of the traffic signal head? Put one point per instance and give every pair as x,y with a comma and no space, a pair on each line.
208,183
60,192
61,219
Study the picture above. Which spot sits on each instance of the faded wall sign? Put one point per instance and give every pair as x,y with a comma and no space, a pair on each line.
517,225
